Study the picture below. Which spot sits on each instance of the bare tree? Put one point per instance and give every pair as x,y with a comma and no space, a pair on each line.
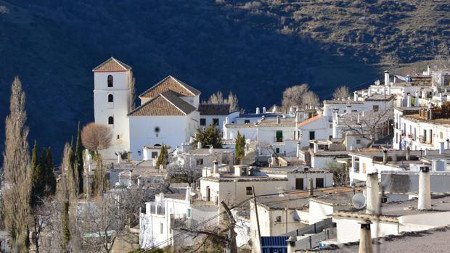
96,137
310,98
370,126
108,218
233,102
17,172
216,98
183,173
292,96
341,92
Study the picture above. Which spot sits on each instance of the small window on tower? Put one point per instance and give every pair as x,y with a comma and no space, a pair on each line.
111,120
110,81
110,98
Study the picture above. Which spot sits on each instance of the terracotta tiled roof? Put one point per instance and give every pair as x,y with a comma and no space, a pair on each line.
164,104
173,84
306,122
112,65
214,109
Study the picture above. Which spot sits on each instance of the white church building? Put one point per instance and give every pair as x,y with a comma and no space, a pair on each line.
168,114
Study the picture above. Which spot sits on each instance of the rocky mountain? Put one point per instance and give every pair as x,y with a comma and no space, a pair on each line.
253,48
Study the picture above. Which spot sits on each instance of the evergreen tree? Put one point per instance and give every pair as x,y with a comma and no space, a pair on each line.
79,160
239,147
210,136
46,162
163,158
37,182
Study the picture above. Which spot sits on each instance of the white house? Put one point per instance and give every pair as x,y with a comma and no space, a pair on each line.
157,223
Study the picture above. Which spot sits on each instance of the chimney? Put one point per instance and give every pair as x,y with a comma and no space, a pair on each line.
369,92
424,202
373,194
199,145
273,160
385,157
316,147
291,244
119,158
257,110
278,119
404,99
386,78
428,70
188,194
310,187
417,95
441,147
365,241
407,154
264,109
211,149
395,79
215,172
227,120
357,118
355,96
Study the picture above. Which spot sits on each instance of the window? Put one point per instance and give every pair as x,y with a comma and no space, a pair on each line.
118,136
320,182
161,228
111,120
202,122
279,136
356,165
249,190
246,121
154,154
110,81
200,161
110,98
312,135
376,108
215,121
277,150
299,183
278,219
358,141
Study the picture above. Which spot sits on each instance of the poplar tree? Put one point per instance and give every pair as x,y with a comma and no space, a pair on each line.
16,167
46,161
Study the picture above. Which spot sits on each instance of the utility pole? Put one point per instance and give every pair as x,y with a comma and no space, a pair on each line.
257,218
231,246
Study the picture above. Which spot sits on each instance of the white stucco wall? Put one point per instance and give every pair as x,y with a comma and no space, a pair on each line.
174,130
348,230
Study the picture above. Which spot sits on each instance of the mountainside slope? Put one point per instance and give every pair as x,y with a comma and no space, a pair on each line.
211,45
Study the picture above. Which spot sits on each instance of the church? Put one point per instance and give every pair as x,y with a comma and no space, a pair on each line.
168,113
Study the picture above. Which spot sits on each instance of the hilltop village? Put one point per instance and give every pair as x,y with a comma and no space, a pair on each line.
178,172
373,164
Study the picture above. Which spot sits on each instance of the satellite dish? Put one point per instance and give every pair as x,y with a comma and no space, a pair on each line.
359,201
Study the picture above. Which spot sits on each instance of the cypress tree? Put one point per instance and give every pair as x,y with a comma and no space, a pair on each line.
79,159
163,158
37,182
49,179
239,147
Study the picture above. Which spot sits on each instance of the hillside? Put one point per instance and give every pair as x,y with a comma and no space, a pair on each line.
248,47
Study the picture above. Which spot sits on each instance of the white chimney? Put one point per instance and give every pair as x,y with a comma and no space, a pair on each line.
316,147
424,202
145,156
417,98
188,194
278,119
264,109
355,96
257,110
227,120
199,145
119,158
441,147
369,92
428,70
373,194
365,240
211,149
386,78
310,187
215,172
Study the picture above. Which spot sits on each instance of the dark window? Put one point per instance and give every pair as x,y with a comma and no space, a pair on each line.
246,121
358,141
312,135
356,165
249,190
279,136
277,150
110,98
215,121
278,219
299,183
111,120
376,108
118,136
202,122
319,182
154,154
200,161
110,81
